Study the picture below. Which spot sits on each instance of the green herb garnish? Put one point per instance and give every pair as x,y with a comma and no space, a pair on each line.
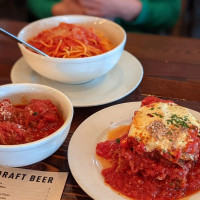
178,121
169,133
35,113
157,114
118,140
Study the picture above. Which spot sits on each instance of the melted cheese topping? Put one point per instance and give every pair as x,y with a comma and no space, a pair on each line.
165,127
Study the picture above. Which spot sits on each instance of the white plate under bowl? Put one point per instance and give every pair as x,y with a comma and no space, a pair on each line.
118,83
82,155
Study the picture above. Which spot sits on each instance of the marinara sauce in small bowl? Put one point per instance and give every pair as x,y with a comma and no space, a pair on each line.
34,122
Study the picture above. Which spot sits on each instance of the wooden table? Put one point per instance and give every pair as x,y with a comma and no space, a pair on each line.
171,70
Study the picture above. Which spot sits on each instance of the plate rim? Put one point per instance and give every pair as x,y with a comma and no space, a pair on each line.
140,74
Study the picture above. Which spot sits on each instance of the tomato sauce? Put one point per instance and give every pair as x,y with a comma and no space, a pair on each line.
71,41
21,124
145,176
142,175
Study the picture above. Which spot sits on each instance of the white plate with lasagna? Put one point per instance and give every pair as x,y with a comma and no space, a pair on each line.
123,79
84,164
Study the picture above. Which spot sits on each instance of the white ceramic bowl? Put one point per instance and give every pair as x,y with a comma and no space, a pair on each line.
29,153
77,70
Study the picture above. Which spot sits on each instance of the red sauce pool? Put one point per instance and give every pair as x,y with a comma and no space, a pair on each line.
21,124
136,175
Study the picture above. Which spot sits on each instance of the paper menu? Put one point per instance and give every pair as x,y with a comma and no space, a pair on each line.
25,184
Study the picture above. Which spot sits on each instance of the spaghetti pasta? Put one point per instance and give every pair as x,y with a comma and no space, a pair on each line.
71,41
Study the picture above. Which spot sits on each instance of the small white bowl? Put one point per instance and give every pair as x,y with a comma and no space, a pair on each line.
74,70
29,153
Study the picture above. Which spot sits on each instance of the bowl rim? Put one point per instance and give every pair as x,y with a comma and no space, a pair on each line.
49,138
72,60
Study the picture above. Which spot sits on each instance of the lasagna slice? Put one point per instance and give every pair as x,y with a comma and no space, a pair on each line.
158,157
167,128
